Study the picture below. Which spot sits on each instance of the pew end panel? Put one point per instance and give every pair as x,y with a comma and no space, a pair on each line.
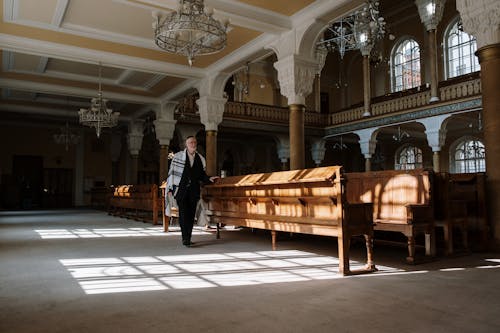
402,202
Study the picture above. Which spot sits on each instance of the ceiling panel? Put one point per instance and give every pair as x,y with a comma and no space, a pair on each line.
36,10
65,66
110,16
25,62
284,7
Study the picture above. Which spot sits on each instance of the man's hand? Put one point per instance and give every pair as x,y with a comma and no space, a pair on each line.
214,178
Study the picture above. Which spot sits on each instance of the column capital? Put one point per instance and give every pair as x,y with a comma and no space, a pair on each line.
135,136
318,150
211,111
481,18
430,12
296,77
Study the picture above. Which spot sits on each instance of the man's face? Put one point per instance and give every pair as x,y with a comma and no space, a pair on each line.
191,145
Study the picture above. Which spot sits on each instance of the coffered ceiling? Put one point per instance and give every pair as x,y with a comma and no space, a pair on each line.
51,50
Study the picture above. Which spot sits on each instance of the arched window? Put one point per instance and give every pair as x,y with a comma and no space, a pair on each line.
408,157
405,63
459,51
468,155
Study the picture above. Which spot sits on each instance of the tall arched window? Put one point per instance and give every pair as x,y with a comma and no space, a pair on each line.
467,156
459,50
405,65
408,157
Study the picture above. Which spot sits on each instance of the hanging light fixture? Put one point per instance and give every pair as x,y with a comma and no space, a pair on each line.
361,29
190,31
400,135
98,115
66,137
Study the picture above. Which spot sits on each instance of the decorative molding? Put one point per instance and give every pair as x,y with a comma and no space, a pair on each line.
481,18
471,105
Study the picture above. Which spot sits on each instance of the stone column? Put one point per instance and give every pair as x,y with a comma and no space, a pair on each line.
164,129
211,142
296,77
431,13
297,153
134,141
211,111
481,18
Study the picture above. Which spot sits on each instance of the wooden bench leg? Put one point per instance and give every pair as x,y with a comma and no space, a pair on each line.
273,239
465,237
217,233
369,253
411,249
448,238
344,244
430,242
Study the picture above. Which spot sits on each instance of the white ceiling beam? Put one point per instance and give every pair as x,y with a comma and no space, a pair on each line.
59,12
74,53
73,91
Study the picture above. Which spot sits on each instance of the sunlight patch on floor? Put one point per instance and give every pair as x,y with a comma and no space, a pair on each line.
146,273
112,232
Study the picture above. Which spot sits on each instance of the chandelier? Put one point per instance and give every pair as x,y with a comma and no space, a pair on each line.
66,137
190,31
98,115
360,30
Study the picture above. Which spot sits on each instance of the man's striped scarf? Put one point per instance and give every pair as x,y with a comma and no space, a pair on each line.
175,173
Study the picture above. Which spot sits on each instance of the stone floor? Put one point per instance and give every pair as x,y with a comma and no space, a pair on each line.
84,271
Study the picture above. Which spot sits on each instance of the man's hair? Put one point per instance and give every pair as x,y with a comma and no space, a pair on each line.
189,137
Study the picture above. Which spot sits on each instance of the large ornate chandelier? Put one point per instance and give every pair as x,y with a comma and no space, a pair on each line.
190,31
98,115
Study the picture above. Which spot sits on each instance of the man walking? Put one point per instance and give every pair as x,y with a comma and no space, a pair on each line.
186,174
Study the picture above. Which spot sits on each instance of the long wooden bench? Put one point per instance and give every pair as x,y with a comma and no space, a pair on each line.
310,201
402,202
140,202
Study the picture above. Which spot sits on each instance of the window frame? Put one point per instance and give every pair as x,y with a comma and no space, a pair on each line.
417,152
471,44
477,161
398,50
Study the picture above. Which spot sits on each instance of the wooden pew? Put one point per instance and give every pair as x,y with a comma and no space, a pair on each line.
462,204
310,201
450,212
133,201
401,200
99,197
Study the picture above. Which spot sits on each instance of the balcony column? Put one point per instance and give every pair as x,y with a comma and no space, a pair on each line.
481,18
435,137
431,13
367,143
164,129
115,150
296,77
211,111
367,95
134,142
